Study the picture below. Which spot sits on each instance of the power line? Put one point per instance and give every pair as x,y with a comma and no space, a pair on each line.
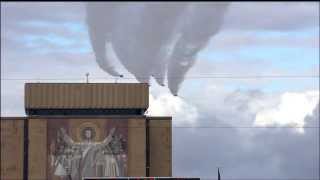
208,178
175,77
246,127
223,127
234,127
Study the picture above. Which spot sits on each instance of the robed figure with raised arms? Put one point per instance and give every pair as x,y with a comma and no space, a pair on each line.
75,160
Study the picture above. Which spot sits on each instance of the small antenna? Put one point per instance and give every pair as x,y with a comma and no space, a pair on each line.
219,175
87,77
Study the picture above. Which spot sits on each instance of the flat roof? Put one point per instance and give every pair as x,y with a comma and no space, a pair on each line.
86,96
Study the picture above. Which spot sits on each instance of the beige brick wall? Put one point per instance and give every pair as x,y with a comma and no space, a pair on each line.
160,147
12,132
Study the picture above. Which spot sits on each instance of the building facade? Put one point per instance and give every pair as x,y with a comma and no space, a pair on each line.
77,130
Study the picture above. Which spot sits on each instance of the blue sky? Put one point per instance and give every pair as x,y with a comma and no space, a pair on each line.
293,58
287,59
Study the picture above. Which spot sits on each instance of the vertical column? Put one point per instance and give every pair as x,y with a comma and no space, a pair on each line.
160,147
136,147
147,149
37,149
11,149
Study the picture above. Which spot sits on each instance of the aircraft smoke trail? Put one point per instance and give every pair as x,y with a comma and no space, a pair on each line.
141,34
205,21
100,19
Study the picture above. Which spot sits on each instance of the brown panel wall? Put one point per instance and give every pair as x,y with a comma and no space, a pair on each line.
160,147
12,145
12,132
86,95
137,147
37,149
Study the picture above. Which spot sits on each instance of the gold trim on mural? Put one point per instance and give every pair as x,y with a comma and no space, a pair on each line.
84,125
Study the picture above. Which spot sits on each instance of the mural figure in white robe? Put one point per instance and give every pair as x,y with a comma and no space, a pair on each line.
75,160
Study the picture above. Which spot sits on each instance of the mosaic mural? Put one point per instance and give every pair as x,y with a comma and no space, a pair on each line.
86,148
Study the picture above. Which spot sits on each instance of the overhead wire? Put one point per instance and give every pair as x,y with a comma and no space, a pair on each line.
174,77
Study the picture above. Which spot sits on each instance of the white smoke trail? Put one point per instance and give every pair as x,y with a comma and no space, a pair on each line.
141,46
205,20
141,33
100,20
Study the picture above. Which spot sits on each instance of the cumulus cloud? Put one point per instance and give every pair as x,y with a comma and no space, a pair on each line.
292,109
182,112
247,153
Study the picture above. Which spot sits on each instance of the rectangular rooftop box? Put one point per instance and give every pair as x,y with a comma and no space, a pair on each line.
86,98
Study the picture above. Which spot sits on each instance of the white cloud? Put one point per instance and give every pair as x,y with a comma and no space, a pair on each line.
206,102
168,105
292,110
